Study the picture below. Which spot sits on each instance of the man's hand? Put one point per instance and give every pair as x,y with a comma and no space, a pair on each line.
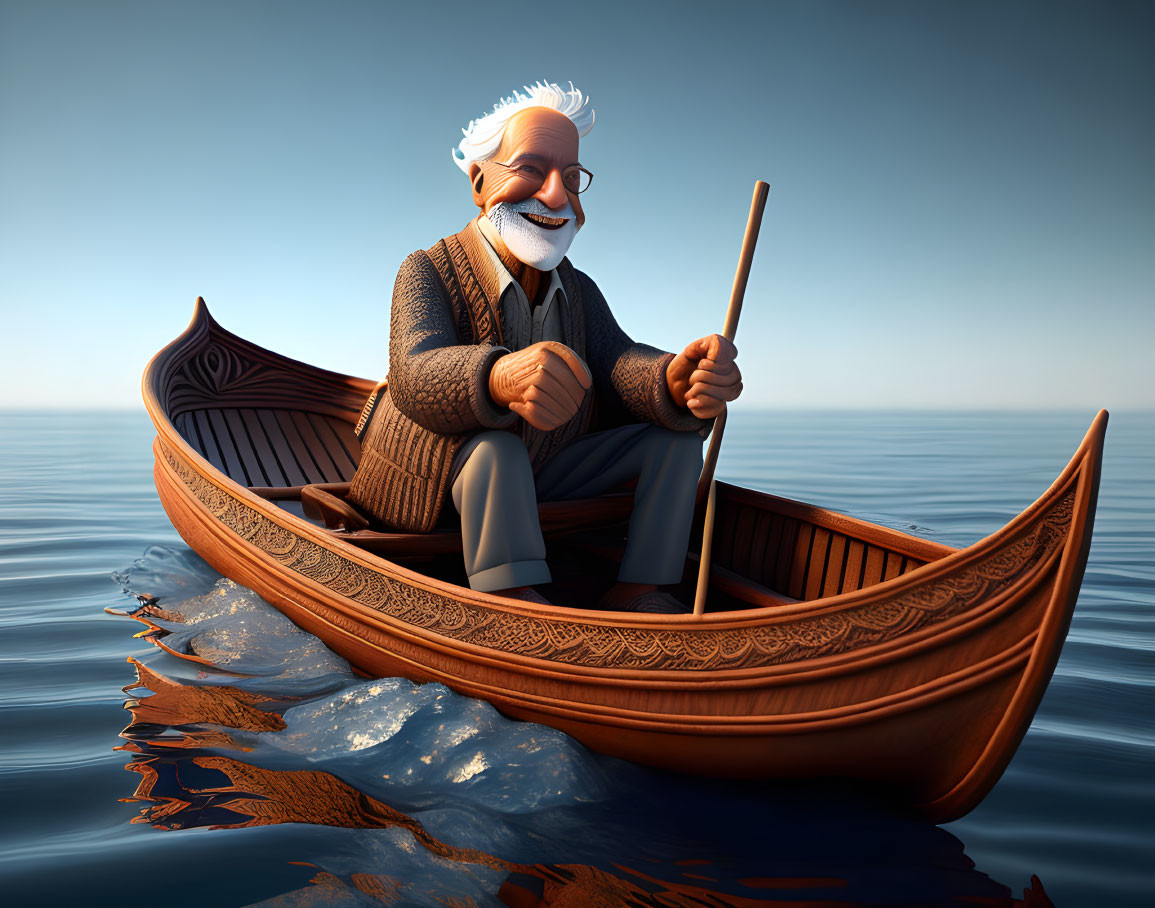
705,376
543,384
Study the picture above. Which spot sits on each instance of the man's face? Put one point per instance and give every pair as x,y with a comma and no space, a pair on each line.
538,138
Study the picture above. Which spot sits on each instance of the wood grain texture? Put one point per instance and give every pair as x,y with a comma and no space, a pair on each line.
915,667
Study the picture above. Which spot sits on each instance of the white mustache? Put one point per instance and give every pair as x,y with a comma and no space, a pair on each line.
537,206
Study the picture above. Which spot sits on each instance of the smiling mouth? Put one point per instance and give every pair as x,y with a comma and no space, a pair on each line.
542,221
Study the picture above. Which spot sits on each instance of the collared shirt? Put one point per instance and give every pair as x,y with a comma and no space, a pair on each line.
523,325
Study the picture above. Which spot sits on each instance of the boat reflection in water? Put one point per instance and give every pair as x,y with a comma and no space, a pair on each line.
251,722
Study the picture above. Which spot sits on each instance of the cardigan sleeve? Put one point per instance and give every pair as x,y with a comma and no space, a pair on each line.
438,382
633,374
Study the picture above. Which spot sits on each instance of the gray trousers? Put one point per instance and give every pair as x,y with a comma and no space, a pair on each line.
496,494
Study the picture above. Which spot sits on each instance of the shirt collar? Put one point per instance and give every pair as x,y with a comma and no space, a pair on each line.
505,279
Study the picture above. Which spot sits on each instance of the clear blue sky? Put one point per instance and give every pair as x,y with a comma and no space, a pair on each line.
962,208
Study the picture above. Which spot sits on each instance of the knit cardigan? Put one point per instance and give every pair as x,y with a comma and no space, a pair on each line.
445,334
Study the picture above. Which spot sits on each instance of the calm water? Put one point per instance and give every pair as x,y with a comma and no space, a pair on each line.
287,780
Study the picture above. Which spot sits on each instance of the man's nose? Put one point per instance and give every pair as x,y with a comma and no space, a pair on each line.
552,193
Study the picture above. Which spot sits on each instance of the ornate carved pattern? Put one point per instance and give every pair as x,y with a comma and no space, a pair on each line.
216,372
575,642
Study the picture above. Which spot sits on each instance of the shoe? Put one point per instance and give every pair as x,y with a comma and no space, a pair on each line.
524,594
658,603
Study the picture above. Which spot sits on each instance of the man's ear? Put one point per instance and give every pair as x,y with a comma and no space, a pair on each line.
476,180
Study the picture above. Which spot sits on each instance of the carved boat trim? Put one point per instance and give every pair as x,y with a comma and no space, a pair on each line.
688,646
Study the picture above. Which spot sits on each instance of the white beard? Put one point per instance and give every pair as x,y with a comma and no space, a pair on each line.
536,246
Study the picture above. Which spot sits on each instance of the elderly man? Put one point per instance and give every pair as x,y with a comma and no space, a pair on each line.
510,382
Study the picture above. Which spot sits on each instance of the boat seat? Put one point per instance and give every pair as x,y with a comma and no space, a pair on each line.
328,503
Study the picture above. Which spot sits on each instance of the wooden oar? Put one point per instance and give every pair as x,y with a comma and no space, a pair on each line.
749,241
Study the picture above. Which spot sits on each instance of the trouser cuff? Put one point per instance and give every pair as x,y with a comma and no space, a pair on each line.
508,576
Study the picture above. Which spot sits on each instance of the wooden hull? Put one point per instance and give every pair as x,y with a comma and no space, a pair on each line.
906,664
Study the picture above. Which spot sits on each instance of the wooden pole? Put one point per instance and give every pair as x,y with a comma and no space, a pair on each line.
706,482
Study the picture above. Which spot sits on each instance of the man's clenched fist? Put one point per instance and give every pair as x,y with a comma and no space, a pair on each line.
705,376
543,384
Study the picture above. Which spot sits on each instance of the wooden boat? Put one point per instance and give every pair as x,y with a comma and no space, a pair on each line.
832,647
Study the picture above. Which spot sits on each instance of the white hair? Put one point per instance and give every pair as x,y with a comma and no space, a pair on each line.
483,135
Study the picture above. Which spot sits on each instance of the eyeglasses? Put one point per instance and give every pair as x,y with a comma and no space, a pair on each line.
575,178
